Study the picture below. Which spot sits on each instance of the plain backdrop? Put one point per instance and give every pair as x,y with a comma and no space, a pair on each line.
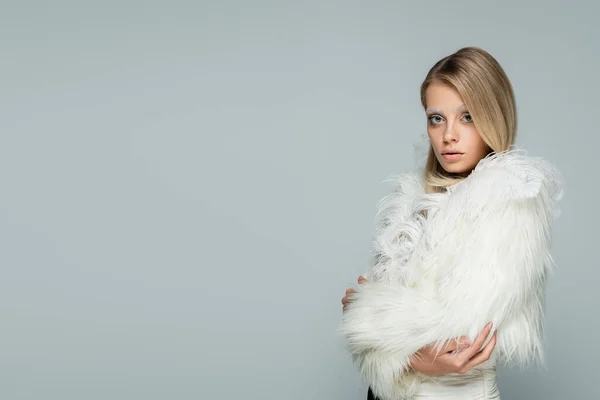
188,188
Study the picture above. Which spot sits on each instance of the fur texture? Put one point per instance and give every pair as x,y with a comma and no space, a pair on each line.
447,263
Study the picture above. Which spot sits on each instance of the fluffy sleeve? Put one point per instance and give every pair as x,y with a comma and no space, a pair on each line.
494,261
489,262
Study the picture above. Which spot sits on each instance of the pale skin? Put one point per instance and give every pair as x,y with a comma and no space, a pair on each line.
450,129
458,148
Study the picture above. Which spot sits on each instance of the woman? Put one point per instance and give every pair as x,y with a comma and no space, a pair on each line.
460,252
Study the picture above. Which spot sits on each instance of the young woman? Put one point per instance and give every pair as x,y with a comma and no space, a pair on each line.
461,249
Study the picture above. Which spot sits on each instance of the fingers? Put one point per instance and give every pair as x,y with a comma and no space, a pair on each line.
453,345
480,339
477,343
481,356
346,299
349,292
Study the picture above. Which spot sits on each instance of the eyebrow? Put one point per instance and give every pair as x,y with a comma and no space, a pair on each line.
459,108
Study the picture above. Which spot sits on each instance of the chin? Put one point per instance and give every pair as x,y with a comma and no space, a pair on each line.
455,169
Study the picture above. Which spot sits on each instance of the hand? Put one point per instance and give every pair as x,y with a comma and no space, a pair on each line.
457,356
346,299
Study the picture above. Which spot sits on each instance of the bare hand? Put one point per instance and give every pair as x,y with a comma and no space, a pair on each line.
346,299
457,356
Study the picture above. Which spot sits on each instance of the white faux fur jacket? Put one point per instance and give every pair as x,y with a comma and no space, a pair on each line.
447,263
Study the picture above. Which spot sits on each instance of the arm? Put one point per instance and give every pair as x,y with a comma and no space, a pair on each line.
490,266
498,252
384,326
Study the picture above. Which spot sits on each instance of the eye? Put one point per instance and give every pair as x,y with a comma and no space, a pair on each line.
467,117
435,119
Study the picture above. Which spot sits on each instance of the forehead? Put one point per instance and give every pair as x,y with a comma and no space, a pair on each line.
442,97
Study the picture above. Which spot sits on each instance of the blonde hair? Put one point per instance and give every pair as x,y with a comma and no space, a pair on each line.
488,94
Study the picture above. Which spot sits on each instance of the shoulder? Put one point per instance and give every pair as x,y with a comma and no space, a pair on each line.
511,176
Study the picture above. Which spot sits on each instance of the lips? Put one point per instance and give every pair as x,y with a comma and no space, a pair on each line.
452,152
451,156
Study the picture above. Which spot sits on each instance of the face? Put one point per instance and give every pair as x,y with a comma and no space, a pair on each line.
455,141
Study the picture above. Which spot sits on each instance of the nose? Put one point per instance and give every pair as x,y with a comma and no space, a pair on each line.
450,134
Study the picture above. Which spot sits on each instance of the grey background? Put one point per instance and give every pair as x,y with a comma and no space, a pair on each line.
189,187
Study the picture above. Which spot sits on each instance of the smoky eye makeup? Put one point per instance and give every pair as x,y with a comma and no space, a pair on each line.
435,119
468,115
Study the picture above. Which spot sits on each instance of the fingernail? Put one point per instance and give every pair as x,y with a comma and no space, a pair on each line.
489,325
